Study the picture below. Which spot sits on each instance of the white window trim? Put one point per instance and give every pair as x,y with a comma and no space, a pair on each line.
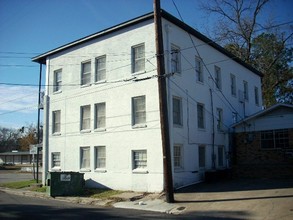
100,169
138,170
233,92
218,78
55,168
138,125
96,128
55,81
181,111
86,130
181,167
80,163
198,59
96,69
57,133
82,74
178,62
133,59
204,119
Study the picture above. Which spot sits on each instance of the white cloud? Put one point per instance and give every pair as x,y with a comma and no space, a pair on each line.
22,99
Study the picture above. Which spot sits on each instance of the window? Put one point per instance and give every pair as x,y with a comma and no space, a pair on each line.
138,110
57,81
100,115
177,111
198,69
100,154
245,90
140,159
219,119
86,73
256,97
234,117
178,157
85,158
201,156
85,117
218,79
200,116
233,84
56,122
56,162
220,156
175,59
275,139
138,59
100,68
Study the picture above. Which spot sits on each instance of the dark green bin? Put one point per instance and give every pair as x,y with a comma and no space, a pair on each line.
65,183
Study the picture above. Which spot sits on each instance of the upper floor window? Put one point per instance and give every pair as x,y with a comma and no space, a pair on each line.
256,96
177,111
200,116
100,68
85,122
56,124
86,73
100,115
198,69
57,80
233,84
245,90
220,119
218,79
175,59
138,110
138,58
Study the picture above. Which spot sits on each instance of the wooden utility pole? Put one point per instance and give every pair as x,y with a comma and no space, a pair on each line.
168,179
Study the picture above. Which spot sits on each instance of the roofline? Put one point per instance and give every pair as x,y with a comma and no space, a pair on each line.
42,57
262,112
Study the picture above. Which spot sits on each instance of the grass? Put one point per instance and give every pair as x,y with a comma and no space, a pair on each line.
18,185
101,193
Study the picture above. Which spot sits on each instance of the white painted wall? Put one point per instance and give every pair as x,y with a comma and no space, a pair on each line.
120,138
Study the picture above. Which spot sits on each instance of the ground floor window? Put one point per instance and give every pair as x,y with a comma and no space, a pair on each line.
56,160
100,154
139,159
220,156
85,158
201,156
275,139
178,157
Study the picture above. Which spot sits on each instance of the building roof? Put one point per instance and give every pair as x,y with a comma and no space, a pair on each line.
263,112
42,57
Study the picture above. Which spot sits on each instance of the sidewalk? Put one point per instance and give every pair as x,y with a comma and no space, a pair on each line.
235,199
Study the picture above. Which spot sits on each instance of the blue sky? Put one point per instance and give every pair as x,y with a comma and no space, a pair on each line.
32,27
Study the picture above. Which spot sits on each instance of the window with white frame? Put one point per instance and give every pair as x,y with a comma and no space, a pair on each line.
138,58
218,78
100,68
177,111
100,157
256,96
219,119
56,122
200,116
275,139
233,84
85,122
57,80
245,90
138,110
175,59
201,156
56,160
178,156
139,159
86,73
198,69
100,115
85,158
220,156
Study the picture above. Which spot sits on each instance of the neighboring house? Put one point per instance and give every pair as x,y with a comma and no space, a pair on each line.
264,143
18,157
102,105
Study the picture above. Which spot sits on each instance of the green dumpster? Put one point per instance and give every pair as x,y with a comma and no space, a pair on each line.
65,183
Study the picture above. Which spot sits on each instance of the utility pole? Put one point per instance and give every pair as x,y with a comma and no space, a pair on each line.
168,179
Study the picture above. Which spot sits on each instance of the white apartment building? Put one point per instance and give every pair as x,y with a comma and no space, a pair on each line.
101,109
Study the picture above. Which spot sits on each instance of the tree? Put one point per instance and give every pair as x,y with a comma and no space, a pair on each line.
8,139
270,56
239,31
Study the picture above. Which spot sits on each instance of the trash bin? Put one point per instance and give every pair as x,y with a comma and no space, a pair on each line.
65,183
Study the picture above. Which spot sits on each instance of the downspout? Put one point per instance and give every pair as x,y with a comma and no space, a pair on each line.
39,112
213,132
